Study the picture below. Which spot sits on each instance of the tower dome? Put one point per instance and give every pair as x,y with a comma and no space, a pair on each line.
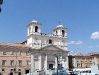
60,26
60,30
34,21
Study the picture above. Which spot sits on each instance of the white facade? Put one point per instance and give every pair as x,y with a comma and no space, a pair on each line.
45,46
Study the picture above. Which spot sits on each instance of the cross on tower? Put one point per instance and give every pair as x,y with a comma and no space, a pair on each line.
59,22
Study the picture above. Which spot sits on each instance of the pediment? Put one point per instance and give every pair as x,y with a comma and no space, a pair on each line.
52,47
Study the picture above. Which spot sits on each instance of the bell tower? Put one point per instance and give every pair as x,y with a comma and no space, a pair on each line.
34,27
60,31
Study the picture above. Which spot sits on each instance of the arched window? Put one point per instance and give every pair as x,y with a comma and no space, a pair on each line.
50,41
36,28
63,33
56,32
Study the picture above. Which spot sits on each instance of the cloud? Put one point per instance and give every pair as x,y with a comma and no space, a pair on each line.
90,47
95,35
97,46
72,42
78,42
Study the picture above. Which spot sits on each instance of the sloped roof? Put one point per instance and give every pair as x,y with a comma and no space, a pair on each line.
53,46
14,44
94,53
82,54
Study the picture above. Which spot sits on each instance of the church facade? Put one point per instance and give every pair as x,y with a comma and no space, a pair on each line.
47,50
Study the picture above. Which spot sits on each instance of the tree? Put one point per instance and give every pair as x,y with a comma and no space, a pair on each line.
0,9
1,2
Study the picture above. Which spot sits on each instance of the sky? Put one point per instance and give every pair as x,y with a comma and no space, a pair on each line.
81,17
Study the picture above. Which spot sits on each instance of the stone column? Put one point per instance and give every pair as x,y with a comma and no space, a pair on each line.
32,63
45,65
61,59
75,62
40,62
63,63
66,62
56,62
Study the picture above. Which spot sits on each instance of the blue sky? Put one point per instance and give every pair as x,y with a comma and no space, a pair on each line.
81,17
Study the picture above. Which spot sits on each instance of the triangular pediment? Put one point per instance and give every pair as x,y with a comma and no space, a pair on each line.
52,47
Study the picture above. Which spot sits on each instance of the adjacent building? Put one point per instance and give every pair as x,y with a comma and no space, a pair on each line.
83,60
14,58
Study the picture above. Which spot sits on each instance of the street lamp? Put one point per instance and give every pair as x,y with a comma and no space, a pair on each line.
56,55
30,67
1,1
71,56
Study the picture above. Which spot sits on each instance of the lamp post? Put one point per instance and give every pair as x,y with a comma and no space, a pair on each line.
56,55
1,1
30,68
71,56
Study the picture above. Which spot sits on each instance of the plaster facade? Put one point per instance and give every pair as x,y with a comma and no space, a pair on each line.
14,58
46,46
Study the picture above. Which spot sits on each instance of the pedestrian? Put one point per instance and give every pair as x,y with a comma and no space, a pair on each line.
11,73
0,74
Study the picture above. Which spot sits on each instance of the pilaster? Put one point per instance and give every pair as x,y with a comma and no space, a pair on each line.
45,65
32,63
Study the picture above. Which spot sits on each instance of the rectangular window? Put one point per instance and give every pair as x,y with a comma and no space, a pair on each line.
50,41
4,52
20,52
12,52
27,52
78,65
11,62
3,62
20,62
27,63
90,58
